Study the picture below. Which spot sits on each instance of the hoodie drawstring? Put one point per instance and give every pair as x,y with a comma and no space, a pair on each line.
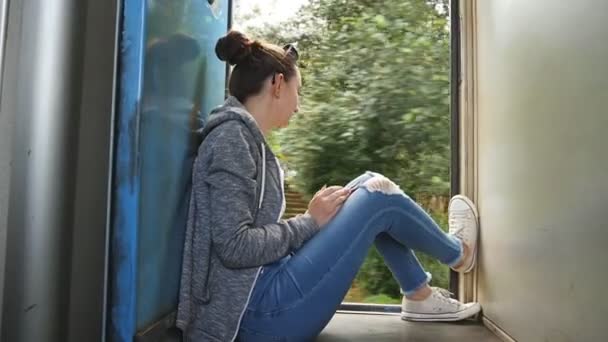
263,175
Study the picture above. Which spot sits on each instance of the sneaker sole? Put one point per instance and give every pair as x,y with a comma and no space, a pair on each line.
474,208
445,317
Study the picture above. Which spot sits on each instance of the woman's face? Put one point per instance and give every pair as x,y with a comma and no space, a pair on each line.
288,101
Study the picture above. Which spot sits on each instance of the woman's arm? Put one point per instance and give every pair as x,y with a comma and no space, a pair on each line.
232,182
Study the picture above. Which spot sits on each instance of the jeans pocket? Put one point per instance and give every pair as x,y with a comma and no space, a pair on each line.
281,293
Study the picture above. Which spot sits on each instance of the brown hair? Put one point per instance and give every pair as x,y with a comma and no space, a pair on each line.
254,62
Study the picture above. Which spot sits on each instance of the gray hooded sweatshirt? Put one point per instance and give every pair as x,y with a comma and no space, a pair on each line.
233,226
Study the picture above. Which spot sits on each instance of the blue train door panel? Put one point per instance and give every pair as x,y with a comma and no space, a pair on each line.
169,80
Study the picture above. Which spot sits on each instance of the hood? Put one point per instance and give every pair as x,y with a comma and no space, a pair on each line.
232,109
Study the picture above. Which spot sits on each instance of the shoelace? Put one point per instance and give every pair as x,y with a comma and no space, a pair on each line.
444,295
443,292
456,221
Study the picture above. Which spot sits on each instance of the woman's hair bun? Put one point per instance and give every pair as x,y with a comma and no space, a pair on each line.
234,48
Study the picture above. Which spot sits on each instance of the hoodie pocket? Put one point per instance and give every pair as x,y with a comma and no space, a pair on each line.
201,267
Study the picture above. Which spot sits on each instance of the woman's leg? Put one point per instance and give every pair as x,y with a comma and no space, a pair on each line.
402,262
296,298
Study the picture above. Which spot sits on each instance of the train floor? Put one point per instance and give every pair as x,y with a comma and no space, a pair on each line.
390,328
358,327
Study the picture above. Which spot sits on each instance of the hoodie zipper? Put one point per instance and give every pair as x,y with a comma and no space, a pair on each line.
257,274
238,325
263,175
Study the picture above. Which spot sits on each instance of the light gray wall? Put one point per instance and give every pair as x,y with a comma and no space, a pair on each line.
46,97
543,167
55,166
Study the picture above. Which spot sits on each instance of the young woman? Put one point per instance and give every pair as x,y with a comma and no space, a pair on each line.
249,275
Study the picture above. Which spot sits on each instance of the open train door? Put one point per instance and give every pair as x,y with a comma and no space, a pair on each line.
169,79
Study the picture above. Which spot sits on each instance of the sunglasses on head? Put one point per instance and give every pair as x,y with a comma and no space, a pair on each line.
291,50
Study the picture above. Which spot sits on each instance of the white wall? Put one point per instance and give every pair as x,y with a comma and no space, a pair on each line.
543,167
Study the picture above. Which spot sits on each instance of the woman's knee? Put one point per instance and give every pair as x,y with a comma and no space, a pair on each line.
379,183
377,179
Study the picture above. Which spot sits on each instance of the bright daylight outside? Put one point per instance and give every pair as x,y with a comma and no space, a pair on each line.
375,97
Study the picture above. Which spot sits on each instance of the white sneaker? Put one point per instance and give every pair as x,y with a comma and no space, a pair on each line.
464,225
438,307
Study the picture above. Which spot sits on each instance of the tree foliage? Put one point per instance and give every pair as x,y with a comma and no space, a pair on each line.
376,97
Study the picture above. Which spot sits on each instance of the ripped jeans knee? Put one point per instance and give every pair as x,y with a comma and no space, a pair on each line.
376,182
379,183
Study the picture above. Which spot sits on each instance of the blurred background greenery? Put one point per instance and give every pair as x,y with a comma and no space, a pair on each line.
375,97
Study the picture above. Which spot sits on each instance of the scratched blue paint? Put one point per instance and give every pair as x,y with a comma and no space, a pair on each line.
122,299
183,80
169,80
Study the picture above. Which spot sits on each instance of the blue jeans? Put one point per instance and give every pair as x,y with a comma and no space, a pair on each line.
295,297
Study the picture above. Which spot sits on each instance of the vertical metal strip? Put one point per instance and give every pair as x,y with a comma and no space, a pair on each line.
455,79
3,25
230,13
107,313
468,130
230,21
126,182
6,124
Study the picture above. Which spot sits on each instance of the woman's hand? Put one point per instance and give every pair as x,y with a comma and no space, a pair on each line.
326,203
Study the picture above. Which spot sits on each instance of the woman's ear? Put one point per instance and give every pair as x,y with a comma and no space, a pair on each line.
276,87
